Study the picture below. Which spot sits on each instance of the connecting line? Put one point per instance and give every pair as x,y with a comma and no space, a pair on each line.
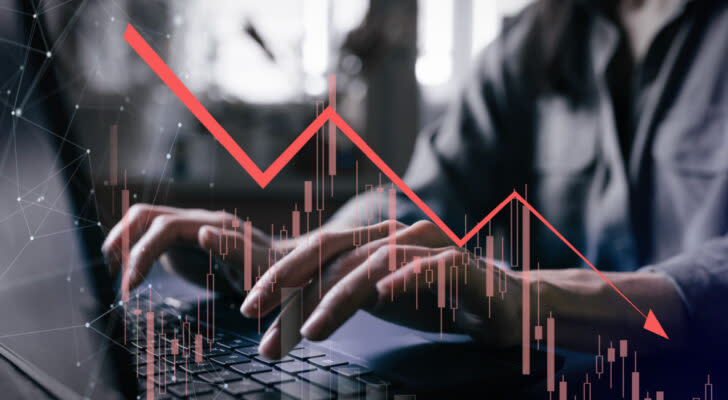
571,246
263,178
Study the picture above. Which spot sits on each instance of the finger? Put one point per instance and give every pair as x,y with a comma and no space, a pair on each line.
406,276
355,291
135,221
227,243
163,232
423,233
283,333
299,266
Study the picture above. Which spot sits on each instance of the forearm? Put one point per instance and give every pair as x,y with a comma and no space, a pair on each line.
584,304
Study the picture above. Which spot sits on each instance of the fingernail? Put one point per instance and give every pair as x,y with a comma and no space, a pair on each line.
266,343
314,324
250,304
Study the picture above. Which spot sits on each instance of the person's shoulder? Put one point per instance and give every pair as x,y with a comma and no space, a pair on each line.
500,60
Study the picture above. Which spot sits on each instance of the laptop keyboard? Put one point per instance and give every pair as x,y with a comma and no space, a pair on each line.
231,368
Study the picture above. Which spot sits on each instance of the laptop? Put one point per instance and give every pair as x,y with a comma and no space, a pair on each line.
65,328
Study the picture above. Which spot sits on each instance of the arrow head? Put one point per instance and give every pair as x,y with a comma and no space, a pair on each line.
653,325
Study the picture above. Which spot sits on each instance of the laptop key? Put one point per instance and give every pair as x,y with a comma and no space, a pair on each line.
373,381
345,387
196,368
188,389
295,367
351,370
266,396
220,376
272,377
305,354
229,359
273,361
235,342
216,350
218,395
244,386
250,367
250,351
170,378
304,391
327,361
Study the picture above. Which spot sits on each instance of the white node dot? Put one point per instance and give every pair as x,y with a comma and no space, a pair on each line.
87,325
32,238
78,364
92,191
121,303
22,67
113,19
81,289
179,124
48,54
149,286
88,151
18,112
169,156
121,108
76,106
98,223
169,36
18,198
212,184
68,279
35,16
135,195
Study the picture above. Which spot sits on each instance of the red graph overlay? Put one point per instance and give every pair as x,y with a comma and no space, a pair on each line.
264,177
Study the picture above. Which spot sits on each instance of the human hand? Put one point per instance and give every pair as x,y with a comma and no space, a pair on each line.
354,278
153,230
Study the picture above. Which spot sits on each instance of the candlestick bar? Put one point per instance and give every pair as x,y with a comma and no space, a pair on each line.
114,155
392,229
550,354
150,355
307,196
198,348
526,294
489,266
563,390
247,255
441,283
332,126
296,223
125,245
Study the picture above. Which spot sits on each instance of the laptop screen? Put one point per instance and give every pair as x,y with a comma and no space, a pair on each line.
54,318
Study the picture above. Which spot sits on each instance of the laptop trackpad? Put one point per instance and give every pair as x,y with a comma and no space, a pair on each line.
423,362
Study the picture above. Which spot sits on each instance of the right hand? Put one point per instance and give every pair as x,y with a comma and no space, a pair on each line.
154,229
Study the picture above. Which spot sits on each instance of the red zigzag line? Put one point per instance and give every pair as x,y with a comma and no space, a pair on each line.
263,178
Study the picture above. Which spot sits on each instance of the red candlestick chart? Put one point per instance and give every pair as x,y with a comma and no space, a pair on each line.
615,366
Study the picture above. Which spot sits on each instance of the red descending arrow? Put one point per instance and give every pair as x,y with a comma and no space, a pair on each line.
263,178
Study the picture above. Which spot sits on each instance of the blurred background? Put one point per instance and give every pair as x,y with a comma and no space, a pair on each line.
261,68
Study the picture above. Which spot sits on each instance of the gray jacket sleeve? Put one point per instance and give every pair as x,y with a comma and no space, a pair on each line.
701,278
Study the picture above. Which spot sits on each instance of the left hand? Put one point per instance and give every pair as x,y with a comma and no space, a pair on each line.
354,278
